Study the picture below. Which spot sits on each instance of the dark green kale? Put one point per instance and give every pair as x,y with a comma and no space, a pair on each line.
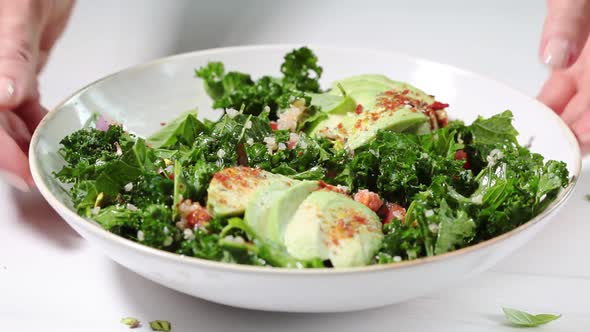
301,70
237,90
452,209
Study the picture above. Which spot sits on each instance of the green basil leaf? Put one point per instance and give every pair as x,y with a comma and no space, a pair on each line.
523,319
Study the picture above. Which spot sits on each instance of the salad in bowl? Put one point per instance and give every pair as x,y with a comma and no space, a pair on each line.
291,175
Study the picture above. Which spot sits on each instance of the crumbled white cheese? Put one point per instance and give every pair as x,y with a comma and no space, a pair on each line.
131,207
169,169
128,187
288,119
221,153
95,210
189,234
302,144
271,143
232,113
282,146
250,141
397,259
433,228
494,156
119,151
99,162
140,236
248,124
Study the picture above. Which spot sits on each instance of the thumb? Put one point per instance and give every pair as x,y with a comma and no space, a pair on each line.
19,42
565,32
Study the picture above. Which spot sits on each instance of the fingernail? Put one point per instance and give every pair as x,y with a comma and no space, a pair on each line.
6,90
557,53
15,181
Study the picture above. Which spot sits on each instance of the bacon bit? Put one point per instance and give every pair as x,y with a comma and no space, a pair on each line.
274,126
462,155
293,141
162,123
375,116
340,126
171,176
300,153
192,214
389,211
405,92
199,217
358,124
437,105
369,199
359,109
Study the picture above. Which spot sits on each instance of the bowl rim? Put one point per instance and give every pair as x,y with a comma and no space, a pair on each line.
90,226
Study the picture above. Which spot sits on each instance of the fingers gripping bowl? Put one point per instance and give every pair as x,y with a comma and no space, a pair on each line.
142,97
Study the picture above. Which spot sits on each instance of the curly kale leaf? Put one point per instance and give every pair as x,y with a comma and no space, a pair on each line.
301,70
239,91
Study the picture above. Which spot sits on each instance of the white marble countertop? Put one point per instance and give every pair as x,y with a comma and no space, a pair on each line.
52,280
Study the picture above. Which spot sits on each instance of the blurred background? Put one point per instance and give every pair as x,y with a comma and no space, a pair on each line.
497,38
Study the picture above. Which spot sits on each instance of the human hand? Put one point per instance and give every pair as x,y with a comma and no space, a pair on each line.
28,30
565,48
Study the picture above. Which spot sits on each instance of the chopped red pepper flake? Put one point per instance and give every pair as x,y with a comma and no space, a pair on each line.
200,216
274,126
437,105
171,176
359,109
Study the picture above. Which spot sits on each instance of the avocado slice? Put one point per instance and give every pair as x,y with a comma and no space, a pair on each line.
231,189
352,130
367,124
271,208
284,207
333,226
365,88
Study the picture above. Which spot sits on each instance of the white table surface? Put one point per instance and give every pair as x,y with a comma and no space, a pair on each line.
52,280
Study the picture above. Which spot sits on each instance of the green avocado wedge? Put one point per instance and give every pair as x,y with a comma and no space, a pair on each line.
366,125
272,207
365,88
259,206
334,227
231,189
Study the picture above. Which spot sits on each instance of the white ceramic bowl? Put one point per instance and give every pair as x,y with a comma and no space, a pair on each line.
144,96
